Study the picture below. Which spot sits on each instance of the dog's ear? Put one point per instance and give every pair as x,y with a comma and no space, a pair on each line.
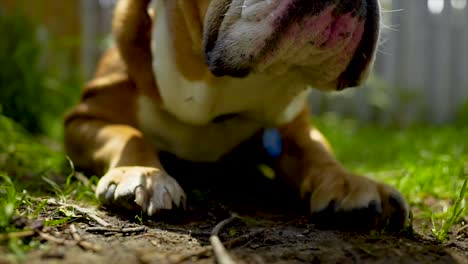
131,27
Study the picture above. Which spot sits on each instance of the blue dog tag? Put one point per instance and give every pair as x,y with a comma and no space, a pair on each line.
272,142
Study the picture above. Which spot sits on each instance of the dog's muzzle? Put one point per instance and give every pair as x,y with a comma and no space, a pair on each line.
331,43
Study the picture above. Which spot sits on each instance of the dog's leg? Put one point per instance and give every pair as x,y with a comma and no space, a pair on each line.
102,138
133,177
131,28
336,196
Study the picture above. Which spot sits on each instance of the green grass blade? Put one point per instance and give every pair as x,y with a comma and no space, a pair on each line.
456,211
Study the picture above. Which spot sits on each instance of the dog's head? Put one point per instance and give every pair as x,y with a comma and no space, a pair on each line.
330,43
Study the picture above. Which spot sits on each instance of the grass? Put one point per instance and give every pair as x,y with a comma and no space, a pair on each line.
9,202
427,163
454,214
31,172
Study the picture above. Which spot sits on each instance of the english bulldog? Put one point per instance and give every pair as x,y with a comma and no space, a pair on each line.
197,78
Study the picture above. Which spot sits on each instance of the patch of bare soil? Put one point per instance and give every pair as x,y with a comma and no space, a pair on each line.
270,229
251,239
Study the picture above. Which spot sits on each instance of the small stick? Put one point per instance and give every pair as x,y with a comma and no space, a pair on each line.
221,254
228,244
81,242
74,233
463,228
99,229
56,240
20,234
242,240
85,211
89,246
61,241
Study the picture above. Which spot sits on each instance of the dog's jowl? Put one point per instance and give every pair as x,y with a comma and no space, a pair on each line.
197,78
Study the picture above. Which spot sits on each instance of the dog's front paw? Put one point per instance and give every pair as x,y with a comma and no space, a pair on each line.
338,198
140,188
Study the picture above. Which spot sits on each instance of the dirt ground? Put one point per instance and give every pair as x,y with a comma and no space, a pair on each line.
270,229
251,239
261,241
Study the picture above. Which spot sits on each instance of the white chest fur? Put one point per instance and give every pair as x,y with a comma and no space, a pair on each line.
183,125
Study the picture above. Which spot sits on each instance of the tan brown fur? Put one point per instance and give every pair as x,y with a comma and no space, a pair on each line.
102,133
308,165
132,30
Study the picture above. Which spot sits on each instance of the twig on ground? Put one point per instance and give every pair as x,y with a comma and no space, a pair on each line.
229,244
89,246
145,235
221,254
81,242
85,211
20,234
99,229
242,240
462,229
74,233
56,240
77,239
61,241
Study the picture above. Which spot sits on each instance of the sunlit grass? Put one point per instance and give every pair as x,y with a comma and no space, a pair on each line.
441,231
428,164
31,172
9,203
23,156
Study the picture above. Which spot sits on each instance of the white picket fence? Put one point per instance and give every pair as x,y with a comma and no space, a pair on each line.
421,71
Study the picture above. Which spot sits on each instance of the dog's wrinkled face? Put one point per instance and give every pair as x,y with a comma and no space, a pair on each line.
330,43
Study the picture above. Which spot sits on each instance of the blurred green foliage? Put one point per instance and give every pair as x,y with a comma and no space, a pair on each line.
23,156
34,91
21,80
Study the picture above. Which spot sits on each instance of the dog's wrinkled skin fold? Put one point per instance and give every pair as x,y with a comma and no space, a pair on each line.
198,78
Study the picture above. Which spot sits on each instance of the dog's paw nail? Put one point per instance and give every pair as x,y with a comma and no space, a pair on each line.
167,200
110,192
140,196
151,209
139,188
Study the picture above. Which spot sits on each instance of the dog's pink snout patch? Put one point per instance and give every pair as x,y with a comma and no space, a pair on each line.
343,28
327,31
